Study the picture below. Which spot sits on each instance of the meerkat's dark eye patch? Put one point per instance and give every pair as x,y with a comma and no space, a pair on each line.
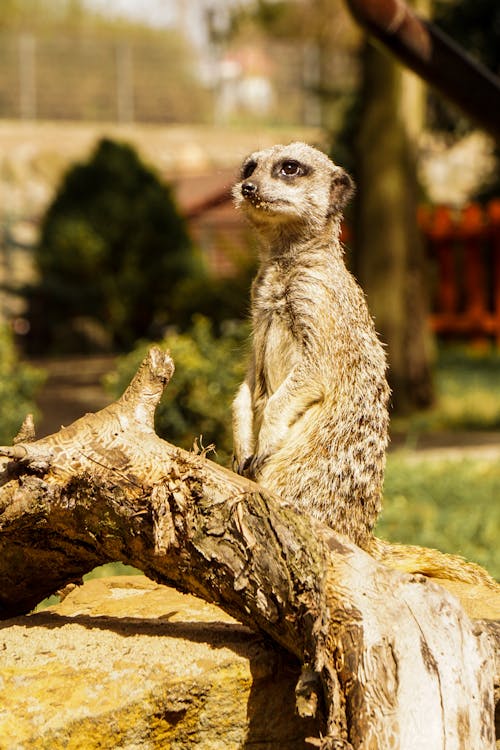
248,169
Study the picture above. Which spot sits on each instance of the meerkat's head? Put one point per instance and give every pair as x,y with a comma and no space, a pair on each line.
294,185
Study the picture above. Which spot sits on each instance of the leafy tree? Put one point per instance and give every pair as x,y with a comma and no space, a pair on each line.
113,250
475,24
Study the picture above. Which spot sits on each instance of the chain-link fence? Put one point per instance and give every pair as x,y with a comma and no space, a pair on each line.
93,77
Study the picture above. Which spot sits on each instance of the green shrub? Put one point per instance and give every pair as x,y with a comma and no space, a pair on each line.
197,402
219,299
113,249
18,384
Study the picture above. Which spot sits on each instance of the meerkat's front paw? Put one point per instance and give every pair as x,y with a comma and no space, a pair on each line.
242,466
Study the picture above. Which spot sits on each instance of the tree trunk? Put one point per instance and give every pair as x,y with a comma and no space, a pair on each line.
389,253
392,658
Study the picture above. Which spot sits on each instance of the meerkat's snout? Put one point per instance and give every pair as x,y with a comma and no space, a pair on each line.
248,189
253,198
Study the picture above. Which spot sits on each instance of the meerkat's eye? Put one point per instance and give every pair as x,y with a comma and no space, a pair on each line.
248,170
291,168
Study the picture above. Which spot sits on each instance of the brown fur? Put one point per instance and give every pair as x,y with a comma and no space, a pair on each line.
310,420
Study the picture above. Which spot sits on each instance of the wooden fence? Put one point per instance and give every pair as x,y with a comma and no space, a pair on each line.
464,250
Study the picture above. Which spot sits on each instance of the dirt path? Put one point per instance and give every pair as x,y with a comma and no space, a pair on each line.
73,387
449,446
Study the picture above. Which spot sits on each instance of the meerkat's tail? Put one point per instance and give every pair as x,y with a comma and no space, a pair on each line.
431,563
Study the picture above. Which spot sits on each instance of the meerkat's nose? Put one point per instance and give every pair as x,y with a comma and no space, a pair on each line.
248,189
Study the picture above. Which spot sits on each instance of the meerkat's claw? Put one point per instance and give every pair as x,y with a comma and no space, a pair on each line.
242,467
257,462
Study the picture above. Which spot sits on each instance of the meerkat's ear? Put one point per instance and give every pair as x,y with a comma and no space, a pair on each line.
341,190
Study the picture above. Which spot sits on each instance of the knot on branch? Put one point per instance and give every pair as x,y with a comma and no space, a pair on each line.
27,432
38,456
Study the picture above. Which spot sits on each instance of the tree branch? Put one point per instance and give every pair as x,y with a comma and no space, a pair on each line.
392,657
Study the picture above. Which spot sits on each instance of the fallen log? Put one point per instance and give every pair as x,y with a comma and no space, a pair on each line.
390,659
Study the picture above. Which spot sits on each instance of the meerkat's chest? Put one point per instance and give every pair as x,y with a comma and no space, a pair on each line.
275,345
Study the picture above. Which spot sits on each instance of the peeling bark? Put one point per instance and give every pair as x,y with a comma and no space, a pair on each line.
390,658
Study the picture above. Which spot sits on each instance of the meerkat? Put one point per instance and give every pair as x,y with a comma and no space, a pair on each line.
310,420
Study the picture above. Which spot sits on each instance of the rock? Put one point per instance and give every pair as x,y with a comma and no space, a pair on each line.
126,663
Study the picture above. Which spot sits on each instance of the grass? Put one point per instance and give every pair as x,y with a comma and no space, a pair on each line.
467,385
451,505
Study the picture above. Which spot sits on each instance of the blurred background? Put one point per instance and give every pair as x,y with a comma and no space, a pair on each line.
122,127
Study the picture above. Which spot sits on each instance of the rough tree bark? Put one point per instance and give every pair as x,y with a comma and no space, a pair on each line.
390,658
